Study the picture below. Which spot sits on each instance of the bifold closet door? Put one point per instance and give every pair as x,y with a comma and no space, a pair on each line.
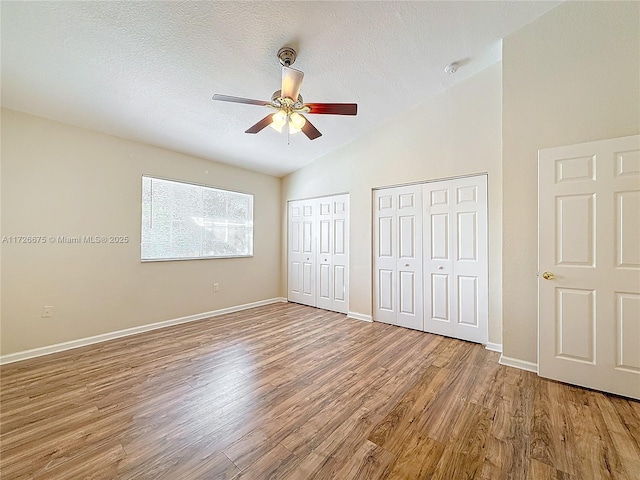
333,260
302,251
318,252
398,256
455,258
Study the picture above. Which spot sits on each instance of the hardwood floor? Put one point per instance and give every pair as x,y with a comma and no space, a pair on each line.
292,392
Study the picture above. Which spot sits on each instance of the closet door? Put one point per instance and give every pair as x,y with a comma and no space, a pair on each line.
340,258
318,252
398,256
302,251
324,272
409,256
439,309
471,266
333,259
384,266
294,256
456,263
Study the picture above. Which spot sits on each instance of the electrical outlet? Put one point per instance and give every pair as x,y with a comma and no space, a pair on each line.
47,311
216,287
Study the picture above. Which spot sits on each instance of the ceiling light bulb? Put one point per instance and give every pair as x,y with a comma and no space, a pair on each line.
296,122
278,120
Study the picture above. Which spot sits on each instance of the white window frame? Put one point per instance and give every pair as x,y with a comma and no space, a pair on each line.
200,221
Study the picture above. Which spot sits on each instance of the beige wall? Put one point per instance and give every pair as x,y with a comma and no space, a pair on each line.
456,133
62,180
571,76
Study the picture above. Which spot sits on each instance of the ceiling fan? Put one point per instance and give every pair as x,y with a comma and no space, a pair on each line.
288,103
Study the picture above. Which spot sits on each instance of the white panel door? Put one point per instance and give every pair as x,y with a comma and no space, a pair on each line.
332,279
398,256
409,256
340,257
384,265
439,308
302,251
456,258
324,274
318,252
295,256
309,226
470,259
589,262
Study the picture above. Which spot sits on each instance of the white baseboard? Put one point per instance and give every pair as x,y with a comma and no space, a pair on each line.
494,347
360,316
517,363
82,342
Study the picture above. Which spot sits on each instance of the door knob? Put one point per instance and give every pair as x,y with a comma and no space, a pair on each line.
406,264
440,267
548,276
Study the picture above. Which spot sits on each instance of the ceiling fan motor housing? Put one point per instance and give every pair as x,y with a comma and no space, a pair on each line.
287,56
277,100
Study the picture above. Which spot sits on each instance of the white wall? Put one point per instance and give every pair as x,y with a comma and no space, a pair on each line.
456,133
62,180
571,76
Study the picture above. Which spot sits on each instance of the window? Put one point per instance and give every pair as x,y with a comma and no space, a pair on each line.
183,221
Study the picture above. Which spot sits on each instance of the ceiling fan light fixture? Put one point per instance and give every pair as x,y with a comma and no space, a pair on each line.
296,122
279,119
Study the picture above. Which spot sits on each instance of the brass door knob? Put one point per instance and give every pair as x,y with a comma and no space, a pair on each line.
547,276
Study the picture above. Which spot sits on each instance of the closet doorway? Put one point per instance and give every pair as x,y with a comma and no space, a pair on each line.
431,257
318,252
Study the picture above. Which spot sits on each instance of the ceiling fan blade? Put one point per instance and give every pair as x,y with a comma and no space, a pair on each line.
291,82
227,98
309,130
333,108
260,125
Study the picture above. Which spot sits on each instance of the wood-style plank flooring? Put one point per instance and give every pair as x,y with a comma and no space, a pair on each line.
291,392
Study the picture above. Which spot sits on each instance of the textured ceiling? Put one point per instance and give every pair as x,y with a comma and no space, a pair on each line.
147,70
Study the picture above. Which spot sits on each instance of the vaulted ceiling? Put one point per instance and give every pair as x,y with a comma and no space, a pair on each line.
147,70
